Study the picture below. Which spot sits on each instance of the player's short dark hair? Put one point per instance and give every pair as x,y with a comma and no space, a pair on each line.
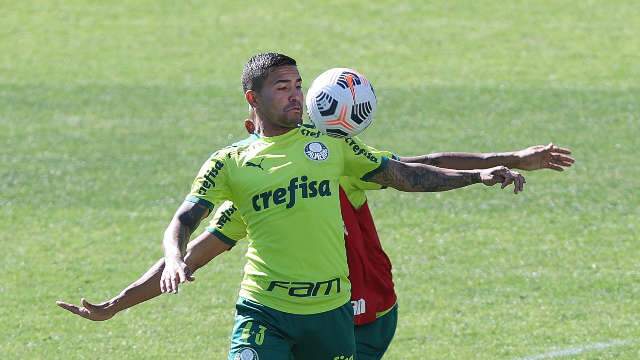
258,67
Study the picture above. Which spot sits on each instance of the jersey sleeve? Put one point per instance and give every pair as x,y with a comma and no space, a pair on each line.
355,183
359,161
355,188
227,224
211,185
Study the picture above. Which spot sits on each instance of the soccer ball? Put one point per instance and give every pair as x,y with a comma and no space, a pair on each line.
341,102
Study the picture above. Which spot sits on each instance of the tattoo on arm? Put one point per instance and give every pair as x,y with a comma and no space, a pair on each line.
183,224
190,214
423,178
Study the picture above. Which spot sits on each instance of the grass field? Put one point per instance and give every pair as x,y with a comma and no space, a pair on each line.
108,109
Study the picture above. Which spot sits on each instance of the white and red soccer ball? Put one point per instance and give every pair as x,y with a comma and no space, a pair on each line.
341,102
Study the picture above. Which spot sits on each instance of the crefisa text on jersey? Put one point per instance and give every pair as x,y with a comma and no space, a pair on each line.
302,186
226,216
209,176
359,150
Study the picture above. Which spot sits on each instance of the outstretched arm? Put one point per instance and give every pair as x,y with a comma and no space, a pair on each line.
184,223
426,178
199,252
532,158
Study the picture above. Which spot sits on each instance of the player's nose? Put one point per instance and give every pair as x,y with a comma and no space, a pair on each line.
296,96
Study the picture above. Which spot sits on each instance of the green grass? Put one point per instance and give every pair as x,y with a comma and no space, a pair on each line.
107,111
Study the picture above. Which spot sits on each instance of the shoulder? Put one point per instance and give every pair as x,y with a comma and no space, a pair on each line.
345,144
235,149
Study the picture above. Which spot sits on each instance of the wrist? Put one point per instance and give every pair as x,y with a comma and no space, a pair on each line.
115,305
513,160
476,176
172,253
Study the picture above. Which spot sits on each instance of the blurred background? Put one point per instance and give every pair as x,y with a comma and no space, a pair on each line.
108,109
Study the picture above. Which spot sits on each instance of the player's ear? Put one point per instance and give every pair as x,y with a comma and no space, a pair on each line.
250,126
251,97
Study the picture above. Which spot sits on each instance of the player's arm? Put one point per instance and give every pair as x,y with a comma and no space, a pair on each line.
416,177
532,158
209,187
176,236
199,252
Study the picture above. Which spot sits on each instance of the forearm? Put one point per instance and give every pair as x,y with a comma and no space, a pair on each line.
415,177
183,224
465,161
145,288
199,252
176,238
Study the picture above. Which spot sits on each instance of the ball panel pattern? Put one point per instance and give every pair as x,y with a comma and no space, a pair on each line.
341,102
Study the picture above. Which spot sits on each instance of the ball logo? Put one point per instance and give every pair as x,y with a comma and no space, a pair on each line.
246,354
316,151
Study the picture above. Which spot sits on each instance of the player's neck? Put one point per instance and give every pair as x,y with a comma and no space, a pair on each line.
268,129
274,132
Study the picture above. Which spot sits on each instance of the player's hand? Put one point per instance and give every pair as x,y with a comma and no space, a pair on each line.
504,176
544,157
94,312
175,272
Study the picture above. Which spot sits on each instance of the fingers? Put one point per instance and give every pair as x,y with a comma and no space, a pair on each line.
555,167
511,177
181,276
163,288
562,158
89,311
87,304
69,307
556,158
507,180
174,274
558,162
559,149
518,183
188,274
173,285
75,309
165,282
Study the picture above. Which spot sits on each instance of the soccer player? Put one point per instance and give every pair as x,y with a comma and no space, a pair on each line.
372,291
294,298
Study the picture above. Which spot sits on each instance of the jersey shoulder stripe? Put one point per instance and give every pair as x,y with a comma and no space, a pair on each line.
224,238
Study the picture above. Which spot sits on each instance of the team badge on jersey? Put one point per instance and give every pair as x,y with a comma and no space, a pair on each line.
316,151
246,354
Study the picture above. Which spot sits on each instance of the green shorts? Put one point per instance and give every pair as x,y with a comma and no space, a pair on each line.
264,333
373,339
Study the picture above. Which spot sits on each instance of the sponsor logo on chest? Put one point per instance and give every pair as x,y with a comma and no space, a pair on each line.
299,188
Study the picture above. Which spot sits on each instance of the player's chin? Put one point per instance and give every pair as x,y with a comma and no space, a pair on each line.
294,118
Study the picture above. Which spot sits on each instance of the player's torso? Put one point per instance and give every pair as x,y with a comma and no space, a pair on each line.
286,189
287,173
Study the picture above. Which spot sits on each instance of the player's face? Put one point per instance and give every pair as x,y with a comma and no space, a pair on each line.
280,99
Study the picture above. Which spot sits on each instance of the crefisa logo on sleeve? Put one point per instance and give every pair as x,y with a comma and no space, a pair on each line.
316,151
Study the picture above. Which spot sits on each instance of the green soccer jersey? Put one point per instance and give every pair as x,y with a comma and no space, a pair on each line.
228,225
286,189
